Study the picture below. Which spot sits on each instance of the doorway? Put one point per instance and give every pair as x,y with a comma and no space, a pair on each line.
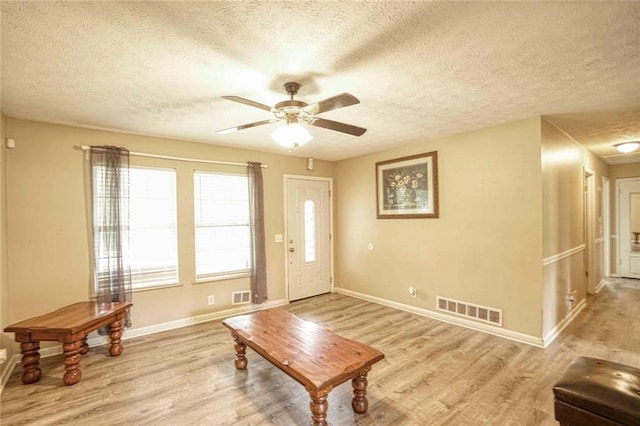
308,236
606,232
628,227
589,230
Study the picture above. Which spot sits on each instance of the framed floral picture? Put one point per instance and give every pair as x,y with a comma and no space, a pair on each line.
407,187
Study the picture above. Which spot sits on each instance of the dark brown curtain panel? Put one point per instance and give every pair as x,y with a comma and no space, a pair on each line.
110,193
256,211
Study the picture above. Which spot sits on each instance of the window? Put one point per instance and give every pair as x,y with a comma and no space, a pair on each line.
309,231
153,246
222,231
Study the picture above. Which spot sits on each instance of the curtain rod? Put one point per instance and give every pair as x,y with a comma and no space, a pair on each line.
169,157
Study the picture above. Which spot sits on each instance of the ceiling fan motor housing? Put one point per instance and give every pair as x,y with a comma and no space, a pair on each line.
292,88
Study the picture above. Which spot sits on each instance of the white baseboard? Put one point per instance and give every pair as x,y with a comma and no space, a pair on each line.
98,340
555,332
185,322
8,369
599,286
484,328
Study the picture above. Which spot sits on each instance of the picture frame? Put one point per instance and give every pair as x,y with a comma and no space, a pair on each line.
407,187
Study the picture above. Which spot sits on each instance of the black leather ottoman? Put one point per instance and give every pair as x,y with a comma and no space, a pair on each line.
598,392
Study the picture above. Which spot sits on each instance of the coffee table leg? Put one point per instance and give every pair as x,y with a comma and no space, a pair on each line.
241,351
359,402
71,362
85,346
116,335
319,407
30,361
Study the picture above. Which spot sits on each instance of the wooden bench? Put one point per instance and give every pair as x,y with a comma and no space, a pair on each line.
70,326
312,355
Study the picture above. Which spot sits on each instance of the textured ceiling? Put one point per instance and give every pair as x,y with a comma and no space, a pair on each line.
420,69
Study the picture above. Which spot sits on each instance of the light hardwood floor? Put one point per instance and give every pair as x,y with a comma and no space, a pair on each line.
433,373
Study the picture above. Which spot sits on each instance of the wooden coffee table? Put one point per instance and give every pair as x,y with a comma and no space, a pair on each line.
70,326
312,355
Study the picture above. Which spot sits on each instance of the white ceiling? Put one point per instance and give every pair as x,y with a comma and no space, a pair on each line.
420,69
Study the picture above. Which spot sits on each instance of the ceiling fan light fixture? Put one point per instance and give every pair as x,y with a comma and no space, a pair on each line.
291,135
627,147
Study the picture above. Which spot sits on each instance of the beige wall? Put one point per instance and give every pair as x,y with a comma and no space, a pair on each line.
486,246
634,214
620,171
48,227
510,196
563,226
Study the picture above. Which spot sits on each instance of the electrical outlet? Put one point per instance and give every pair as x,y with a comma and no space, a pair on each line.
211,300
413,292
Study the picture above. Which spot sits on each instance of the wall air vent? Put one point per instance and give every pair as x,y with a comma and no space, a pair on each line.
240,297
491,316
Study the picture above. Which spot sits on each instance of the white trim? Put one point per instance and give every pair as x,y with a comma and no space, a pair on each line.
551,259
555,332
599,240
332,234
98,340
600,285
484,328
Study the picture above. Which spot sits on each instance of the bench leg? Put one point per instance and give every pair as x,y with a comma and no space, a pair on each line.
359,402
71,362
319,407
241,351
116,336
30,361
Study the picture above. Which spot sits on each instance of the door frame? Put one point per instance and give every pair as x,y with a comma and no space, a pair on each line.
589,229
286,180
606,227
617,215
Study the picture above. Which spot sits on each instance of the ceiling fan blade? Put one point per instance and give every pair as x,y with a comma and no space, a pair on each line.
339,101
247,102
245,126
337,126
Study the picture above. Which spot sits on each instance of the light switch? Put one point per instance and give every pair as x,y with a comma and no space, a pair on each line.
278,238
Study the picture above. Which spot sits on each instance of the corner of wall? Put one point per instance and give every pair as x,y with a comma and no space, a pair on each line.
5,340
564,162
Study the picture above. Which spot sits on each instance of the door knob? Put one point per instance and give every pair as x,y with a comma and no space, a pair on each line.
291,249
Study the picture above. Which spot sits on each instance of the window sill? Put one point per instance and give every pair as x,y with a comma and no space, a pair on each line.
156,287
222,278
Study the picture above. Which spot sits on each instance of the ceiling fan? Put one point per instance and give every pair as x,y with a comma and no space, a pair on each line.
292,111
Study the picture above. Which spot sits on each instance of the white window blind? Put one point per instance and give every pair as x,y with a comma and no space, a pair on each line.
222,229
153,246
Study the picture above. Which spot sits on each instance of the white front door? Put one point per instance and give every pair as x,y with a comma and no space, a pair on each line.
629,228
308,237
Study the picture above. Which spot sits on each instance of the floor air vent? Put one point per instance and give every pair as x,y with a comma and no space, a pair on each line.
240,297
469,310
